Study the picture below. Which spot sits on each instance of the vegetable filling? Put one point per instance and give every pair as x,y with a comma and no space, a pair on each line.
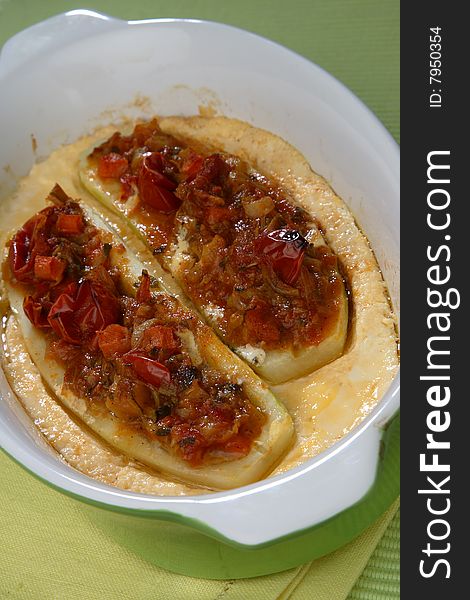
135,358
256,263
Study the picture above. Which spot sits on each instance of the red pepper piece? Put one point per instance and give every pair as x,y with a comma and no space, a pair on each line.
37,311
61,316
214,170
69,224
148,370
112,166
25,244
284,250
154,163
154,188
96,307
80,311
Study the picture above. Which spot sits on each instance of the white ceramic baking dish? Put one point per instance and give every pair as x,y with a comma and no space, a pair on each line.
61,78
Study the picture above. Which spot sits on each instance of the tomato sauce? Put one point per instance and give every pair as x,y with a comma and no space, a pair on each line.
126,356
250,262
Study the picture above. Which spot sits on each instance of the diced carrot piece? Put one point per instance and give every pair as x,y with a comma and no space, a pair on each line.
69,224
114,340
49,268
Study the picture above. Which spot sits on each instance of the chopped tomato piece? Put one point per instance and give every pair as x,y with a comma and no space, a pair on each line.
214,169
69,224
160,336
191,165
156,196
284,250
80,311
36,311
147,369
26,243
114,340
153,163
61,316
112,166
96,307
49,268
155,188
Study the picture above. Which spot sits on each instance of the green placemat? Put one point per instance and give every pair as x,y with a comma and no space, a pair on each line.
52,548
355,40
380,579
358,42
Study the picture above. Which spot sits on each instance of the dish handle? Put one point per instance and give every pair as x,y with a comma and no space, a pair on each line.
53,33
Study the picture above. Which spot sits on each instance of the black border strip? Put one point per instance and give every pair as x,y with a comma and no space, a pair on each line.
435,233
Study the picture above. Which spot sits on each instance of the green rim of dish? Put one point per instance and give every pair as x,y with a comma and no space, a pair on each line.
329,534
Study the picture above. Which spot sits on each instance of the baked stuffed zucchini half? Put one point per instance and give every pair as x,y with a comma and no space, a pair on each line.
133,364
255,264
